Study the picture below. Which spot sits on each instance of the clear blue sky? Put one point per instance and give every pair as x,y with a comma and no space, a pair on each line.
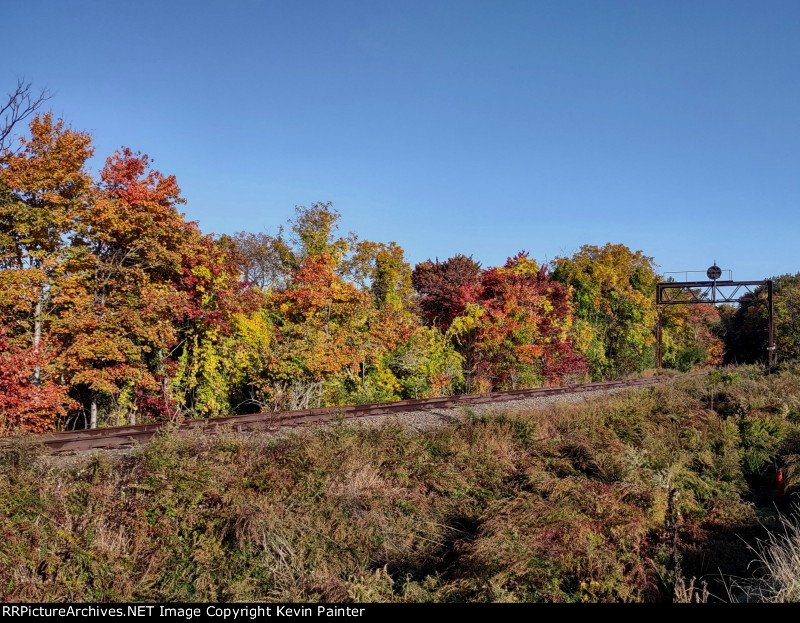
475,127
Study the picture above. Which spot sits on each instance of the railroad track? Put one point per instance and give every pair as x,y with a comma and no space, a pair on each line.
116,436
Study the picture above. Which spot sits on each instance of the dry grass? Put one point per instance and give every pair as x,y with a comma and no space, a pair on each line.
775,567
690,592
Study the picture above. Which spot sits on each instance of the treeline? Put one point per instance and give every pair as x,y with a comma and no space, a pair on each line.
115,309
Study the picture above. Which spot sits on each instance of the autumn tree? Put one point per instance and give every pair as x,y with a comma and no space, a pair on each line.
690,336
340,328
407,360
120,300
445,288
206,378
320,321
382,270
43,183
515,331
267,261
42,187
614,294
28,402
314,234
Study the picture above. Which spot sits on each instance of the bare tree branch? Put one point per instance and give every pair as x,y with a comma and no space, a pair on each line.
21,104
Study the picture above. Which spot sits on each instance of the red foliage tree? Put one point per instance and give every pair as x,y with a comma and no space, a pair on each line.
26,406
515,329
445,288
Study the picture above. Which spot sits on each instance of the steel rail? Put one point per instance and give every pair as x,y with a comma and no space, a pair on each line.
116,436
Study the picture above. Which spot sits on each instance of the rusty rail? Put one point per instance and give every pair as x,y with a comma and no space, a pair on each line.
116,436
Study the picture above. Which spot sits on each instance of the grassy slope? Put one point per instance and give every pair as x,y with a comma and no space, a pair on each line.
606,501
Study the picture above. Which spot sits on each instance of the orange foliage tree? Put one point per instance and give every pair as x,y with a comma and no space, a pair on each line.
43,184
121,307
320,323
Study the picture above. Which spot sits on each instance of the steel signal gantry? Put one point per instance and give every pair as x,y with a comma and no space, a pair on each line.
713,292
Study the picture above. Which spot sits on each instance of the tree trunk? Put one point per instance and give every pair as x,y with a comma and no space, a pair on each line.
93,413
37,333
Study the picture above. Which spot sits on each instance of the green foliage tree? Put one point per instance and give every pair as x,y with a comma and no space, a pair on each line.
614,293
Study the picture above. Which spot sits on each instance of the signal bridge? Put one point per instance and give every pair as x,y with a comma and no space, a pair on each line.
712,292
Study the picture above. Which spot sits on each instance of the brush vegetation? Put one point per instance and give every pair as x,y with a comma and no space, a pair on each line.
624,498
